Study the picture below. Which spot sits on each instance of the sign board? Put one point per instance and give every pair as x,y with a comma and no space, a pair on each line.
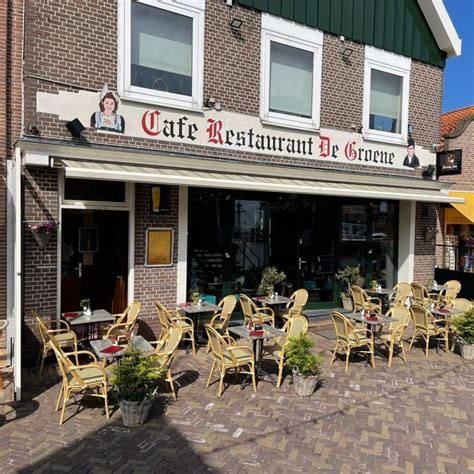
448,162
159,247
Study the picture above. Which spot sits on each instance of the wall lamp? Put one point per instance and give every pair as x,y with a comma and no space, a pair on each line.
347,53
236,23
428,172
75,128
429,233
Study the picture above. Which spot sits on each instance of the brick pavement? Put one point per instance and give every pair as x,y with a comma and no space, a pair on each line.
416,417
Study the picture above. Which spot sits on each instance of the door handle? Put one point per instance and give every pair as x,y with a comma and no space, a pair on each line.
300,262
79,269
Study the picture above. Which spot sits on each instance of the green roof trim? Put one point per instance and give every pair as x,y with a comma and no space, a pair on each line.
394,25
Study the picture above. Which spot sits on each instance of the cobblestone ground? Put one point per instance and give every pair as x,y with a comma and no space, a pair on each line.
414,417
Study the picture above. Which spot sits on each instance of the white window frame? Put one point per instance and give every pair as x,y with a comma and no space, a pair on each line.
393,64
291,34
191,8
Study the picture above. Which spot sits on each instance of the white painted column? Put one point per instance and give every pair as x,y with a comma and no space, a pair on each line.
182,244
406,241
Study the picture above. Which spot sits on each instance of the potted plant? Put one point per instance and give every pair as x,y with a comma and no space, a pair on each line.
306,366
348,276
136,379
270,277
42,232
464,329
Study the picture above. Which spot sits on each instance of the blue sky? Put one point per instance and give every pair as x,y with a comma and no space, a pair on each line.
459,73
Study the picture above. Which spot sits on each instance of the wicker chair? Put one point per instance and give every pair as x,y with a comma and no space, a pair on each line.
124,323
401,293
228,355
349,338
168,317
447,296
253,313
427,327
460,305
362,302
396,329
221,317
299,297
65,338
294,327
165,352
79,377
421,296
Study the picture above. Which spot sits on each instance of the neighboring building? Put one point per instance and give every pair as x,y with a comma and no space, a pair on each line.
219,140
457,133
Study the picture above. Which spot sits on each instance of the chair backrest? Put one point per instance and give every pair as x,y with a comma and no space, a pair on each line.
219,346
227,306
163,316
343,327
299,297
359,296
402,292
461,305
401,318
132,314
168,349
298,326
420,316
419,293
248,307
451,292
41,327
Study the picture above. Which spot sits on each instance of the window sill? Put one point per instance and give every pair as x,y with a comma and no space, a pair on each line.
395,139
281,123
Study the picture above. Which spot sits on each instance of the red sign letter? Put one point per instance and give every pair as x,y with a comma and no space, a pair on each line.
214,132
150,122
324,146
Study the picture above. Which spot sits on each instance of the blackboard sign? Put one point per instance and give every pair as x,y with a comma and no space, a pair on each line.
448,162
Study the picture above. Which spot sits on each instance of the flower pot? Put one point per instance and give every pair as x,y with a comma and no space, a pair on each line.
42,239
467,350
347,303
135,413
304,384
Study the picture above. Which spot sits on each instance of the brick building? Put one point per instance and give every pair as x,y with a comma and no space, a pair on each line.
220,137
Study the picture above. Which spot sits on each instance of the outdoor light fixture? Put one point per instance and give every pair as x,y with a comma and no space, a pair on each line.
75,128
411,129
346,53
236,23
429,233
428,172
214,104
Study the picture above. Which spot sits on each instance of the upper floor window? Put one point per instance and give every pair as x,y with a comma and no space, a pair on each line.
161,51
386,89
291,73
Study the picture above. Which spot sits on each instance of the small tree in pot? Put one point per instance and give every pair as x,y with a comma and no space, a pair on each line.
136,381
348,276
464,328
270,277
306,365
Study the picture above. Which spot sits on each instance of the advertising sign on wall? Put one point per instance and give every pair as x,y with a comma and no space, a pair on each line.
449,162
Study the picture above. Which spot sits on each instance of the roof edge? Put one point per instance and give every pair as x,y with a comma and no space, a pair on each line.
442,27
460,127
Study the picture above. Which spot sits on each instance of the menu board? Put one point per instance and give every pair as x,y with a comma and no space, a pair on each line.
159,247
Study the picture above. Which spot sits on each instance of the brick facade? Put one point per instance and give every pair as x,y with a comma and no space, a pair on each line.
73,46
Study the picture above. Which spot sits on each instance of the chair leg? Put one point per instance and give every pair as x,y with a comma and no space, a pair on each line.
280,371
106,401
390,354
348,353
221,381
65,399
412,339
59,398
403,356
212,371
170,380
192,342
334,353
254,381
427,345
40,371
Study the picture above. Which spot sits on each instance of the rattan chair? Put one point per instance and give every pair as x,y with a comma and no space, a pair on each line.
447,296
125,323
254,313
79,377
396,329
221,317
167,317
65,338
349,338
461,305
421,296
362,302
300,298
401,293
427,327
165,352
228,355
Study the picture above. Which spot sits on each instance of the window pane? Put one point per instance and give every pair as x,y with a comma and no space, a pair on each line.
385,101
162,47
291,80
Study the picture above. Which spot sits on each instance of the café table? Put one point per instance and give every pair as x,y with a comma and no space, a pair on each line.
269,332
97,317
196,313
383,294
137,342
437,288
274,303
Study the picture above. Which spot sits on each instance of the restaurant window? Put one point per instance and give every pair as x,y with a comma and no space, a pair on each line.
386,87
291,73
161,51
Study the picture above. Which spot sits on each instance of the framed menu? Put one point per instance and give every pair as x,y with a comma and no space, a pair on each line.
159,247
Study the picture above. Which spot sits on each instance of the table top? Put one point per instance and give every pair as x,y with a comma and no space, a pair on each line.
97,316
269,332
204,307
272,301
381,319
138,342
437,288
441,312
382,291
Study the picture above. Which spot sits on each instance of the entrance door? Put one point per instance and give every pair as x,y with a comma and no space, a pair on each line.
316,255
94,260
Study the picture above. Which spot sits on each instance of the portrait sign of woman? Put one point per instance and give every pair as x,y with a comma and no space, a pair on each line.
108,118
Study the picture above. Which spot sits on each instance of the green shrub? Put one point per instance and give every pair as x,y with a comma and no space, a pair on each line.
348,276
298,355
136,377
464,326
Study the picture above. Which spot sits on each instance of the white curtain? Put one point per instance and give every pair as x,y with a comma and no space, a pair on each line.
385,94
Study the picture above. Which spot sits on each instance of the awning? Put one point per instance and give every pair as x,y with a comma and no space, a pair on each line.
256,182
466,209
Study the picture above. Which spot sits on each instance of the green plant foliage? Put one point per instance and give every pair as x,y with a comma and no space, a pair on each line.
348,276
299,355
464,326
85,303
136,377
270,277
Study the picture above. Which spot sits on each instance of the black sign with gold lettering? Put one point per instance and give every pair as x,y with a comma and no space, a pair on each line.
449,162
